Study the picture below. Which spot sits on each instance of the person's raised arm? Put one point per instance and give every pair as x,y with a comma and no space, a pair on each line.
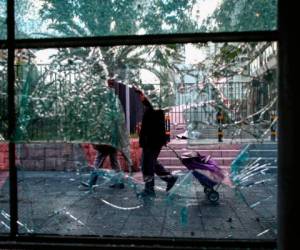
143,98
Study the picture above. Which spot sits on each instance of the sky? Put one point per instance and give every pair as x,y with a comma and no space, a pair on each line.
204,8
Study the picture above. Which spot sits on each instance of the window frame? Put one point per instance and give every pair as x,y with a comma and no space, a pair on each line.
277,35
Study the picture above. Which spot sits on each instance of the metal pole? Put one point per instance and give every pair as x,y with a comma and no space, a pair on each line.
127,98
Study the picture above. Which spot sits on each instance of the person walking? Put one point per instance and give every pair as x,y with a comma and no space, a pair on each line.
152,138
106,149
103,151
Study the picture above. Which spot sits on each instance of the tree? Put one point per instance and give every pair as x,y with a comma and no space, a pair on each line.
3,29
77,105
101,18
3,77
120,17
3,99
243,15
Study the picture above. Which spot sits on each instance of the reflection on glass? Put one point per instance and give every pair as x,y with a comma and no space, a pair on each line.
68,99
3,95
3,26
4,175
4,189
43,18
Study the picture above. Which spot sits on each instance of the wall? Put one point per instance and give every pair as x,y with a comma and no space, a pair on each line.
61,156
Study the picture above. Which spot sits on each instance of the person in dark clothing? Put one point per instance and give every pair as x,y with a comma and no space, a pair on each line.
151,139
102,152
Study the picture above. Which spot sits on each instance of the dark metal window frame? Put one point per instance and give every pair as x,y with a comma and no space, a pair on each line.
286,129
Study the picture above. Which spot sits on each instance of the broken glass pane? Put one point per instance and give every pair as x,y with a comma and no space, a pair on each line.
69,99
70,102
4,174
3,96
36,19
254,171
4,189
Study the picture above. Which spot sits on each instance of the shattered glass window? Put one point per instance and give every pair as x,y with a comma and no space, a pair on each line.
78,115
3,14
4,175
254,171
47,18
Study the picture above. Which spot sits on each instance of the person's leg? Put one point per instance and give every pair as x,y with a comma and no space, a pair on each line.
100,157
163,173
118,180
129,162
114,161
148,161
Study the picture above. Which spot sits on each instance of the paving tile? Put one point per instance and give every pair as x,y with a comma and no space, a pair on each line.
51,203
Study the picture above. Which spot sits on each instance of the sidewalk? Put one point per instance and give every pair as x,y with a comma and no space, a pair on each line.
51,202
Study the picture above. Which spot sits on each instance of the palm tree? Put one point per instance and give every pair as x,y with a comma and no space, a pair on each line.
101,18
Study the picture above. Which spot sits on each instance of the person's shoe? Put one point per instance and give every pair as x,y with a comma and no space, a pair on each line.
147,194
171,183
83,186
117,185
131,168
183,135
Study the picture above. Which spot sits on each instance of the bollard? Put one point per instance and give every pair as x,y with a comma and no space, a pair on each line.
273,127
220,134
220,119
167,128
